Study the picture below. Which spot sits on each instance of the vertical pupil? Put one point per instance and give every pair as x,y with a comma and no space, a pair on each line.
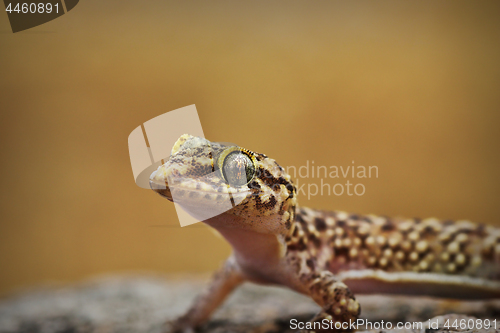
238,169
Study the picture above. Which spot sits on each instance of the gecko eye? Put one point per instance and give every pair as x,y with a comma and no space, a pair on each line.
238,168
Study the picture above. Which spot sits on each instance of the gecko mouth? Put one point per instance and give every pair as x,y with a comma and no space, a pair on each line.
201,200
191,191
161,189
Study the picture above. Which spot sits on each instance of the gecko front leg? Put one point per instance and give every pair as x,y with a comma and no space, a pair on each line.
338,302
339,307
223,282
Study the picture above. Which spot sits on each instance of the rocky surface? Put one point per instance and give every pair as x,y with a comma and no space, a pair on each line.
143,303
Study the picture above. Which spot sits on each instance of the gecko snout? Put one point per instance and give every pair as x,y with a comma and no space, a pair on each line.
158,183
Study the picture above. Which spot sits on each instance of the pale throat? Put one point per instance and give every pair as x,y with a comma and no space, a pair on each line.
250,247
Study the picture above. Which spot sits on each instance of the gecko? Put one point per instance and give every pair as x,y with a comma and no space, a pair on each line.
330,256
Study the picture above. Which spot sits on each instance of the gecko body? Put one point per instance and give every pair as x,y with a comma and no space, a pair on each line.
251,201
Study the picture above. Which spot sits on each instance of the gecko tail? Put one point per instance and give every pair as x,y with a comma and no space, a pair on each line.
421,284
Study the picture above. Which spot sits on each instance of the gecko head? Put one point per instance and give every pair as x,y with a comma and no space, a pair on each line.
226,185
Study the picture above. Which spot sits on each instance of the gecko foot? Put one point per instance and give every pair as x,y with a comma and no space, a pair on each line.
179,325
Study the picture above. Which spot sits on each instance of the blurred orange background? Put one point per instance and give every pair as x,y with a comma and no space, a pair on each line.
411,87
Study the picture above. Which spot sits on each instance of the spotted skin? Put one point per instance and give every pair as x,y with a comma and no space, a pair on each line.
456,259
325,255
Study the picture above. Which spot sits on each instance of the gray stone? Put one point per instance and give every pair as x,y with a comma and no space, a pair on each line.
143,303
